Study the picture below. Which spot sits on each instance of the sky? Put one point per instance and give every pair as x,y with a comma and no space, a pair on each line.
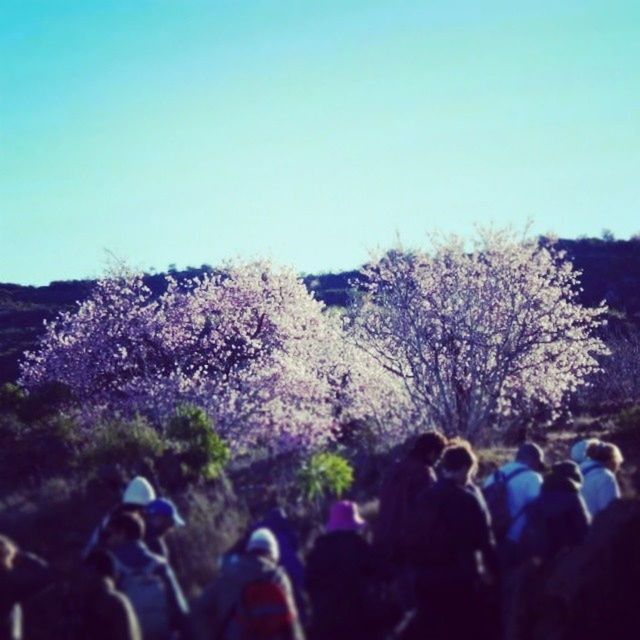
193,131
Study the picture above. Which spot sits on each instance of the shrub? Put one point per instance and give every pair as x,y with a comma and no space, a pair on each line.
325,474
628,420
123,442
201,450
11,398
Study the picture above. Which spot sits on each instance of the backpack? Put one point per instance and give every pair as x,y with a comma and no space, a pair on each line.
263,610
147,592
496,496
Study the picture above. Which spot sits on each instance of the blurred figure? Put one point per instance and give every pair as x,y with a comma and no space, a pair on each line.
251,599
161,515
454,553
400,489
105,613
508,491
22,576
146,579
342,577
600,486
559,518
137,495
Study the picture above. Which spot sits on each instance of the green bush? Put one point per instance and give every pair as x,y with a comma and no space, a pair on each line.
122,442
325,474
202,451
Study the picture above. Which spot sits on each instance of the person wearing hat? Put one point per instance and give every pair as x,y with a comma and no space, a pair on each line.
251,598
559,518
161,515
342,571
135,498
524,482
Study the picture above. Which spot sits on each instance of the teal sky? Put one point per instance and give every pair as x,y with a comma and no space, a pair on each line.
189,131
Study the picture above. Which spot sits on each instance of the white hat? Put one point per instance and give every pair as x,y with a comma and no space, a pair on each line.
579,450
263,540
139,491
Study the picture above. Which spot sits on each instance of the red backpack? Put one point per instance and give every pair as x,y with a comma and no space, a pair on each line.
264,610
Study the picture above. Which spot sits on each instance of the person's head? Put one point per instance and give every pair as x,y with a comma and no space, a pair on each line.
8,552
344,515
124,528
567,470
101,563
428,447
531,455
263,543
161,515
459,463
607,454
579,449
139,492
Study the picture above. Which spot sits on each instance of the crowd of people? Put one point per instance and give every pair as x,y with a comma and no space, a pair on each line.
438,561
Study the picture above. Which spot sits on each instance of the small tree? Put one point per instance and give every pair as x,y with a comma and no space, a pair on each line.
325,474
477,337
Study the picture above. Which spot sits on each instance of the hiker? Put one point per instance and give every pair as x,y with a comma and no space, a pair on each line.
579,450
344,580
559,518
454,552
600,486
160,516
146,579
104,612
405,482
250,599
508,491
278,523
137,495
22,576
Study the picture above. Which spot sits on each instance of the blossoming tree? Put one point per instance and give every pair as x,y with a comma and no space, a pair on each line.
249,344
478,337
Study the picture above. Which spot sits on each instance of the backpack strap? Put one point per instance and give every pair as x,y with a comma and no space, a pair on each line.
594,466
515,473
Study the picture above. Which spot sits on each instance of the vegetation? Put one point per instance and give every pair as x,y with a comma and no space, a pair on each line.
325,474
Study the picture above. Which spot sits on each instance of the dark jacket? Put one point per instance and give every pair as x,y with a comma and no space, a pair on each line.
29,576
215,615
136,555
558,519
106,614
342,575
460,521
399,493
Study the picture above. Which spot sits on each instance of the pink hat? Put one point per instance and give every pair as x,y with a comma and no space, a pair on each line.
344,516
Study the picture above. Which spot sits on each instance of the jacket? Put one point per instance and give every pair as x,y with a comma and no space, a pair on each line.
599,487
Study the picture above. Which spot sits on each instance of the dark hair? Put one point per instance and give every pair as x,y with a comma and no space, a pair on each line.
129,524
458,457
102,562
428,444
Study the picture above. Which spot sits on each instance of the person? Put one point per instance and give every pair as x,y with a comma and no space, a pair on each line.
600,486
520,483
344,580
578,451
160,515
137,495
251,598
104,612
22,576
146,579
559,518
453,550
278,523
406,480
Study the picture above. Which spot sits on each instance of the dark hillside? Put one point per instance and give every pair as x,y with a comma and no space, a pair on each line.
611,272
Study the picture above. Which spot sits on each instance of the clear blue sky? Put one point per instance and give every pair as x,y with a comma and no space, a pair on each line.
187,131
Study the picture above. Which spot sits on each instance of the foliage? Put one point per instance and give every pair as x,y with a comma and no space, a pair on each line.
628,420
201,449
122,442
478,337
325,473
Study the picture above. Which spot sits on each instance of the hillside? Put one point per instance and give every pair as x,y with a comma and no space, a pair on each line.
611,272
